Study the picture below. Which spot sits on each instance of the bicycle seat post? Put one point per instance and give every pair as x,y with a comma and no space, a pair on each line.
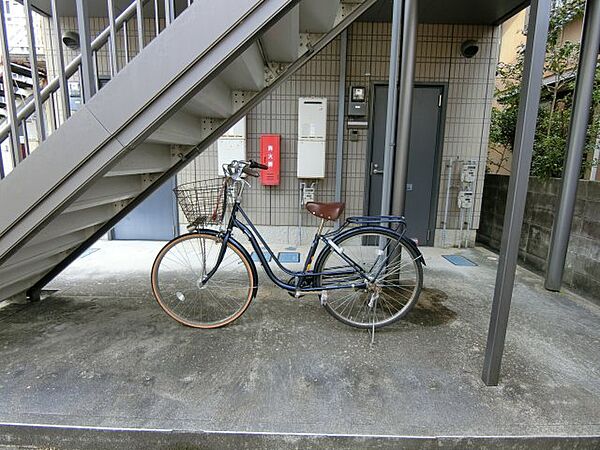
320,228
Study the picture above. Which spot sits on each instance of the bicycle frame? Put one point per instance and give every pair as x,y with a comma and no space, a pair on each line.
256,239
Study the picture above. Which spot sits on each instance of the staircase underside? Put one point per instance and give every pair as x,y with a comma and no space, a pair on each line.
215,65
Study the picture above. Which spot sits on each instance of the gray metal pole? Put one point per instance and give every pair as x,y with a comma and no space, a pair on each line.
87,67
392,109
339,145
535,51
582,100
409,45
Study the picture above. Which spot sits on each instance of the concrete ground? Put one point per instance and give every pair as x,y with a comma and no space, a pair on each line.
99,353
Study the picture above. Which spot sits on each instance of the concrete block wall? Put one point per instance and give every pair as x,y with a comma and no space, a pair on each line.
582,267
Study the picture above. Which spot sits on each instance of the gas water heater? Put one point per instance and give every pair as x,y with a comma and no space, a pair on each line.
312,131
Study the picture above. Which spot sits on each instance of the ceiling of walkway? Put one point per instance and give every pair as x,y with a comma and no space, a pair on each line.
482,12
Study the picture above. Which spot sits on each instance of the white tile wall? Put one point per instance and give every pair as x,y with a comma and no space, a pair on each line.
470,85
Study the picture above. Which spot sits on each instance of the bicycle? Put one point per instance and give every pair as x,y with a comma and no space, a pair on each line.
368,273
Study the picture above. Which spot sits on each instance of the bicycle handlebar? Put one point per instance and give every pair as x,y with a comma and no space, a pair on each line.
257,165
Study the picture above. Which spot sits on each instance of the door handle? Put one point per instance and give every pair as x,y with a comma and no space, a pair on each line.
375,170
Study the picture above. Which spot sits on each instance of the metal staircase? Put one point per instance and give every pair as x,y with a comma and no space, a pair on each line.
201,74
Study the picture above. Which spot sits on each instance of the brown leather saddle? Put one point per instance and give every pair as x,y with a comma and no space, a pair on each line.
328,211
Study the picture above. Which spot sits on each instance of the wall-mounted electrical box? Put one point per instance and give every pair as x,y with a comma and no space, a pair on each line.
465,199
269,156
468,173
308,193
357,104
232,145
312,131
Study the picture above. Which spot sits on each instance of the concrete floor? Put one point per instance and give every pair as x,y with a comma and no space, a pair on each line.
99,352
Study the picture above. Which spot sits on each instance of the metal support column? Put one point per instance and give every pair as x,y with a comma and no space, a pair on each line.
582,100
392,108
339,145
409,45
88,81
535,52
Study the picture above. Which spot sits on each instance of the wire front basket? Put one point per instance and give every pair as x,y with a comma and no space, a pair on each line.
203,202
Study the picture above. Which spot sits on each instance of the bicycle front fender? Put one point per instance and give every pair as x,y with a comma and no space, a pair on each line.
410,243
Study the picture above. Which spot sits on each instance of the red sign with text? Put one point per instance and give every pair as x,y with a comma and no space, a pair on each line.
269,156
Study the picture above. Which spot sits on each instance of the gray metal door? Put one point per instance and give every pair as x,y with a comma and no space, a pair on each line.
155,219
423,163
375,161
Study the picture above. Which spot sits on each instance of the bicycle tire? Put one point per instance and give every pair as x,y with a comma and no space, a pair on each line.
366,234
186,251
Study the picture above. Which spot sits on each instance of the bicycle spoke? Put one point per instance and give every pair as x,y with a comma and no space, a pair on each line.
391,294
179,283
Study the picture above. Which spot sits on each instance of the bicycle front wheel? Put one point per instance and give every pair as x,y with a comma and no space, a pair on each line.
179,281
393,265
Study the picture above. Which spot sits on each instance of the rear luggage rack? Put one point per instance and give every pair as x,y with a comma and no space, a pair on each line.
361,220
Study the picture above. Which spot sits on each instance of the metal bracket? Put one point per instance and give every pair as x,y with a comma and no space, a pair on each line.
118,206
273,70
240,98
179,151
308,41
148,179
208,126
346,9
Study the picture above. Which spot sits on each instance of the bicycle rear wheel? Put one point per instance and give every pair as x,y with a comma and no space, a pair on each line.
390,296
178,275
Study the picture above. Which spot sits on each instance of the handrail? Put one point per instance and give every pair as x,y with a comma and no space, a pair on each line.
27,109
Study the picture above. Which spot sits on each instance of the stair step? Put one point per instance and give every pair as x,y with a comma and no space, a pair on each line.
70,222
31,253
212,101
247,71
317,16
147,158
108,190
14,275
282,40
17,287
183,128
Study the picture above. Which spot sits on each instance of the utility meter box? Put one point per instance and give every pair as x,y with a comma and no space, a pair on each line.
312,134
468,173
232,145
465,199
